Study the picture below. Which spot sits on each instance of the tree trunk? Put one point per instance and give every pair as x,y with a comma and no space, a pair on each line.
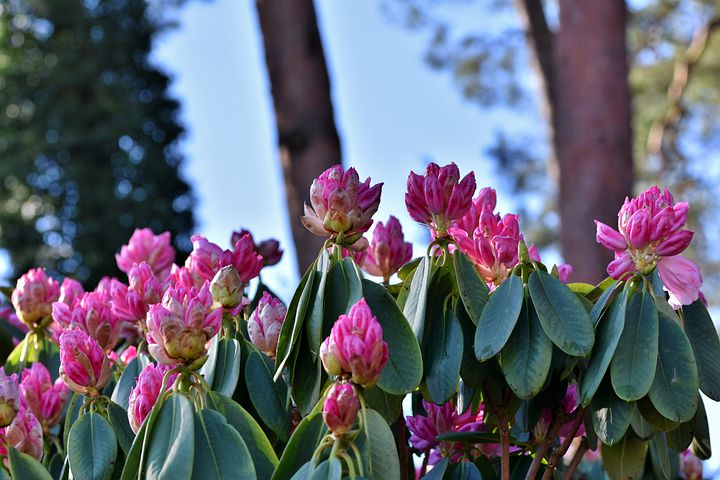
307,136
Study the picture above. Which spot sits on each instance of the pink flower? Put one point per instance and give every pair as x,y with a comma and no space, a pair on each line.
341,205
145,246
205,259
268,249
340,408
70,290
570,402
33,296
355,346
84,367
650,234
44,398
131,303
180,327
439,197
182,277
691,468
244,258
9,397
129,354
92,312
24,434
145,394
388,251
226,287
265,323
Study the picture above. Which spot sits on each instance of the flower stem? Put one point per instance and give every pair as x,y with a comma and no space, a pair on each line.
577,458
559,452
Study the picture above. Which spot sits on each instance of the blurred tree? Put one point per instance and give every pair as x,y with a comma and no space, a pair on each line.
88,135
308,139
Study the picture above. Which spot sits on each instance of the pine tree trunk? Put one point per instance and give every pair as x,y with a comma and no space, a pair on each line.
307,136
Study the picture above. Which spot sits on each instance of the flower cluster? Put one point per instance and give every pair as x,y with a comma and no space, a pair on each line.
265,323
146,391
388,250
43,397
33,297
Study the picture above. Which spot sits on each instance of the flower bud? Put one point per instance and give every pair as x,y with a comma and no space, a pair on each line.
34,295
93,313
145,246
84,367
265,323
70,290
24,434
270,251
691,468
145,394
227,288
340,408
205,260
609,238
388,251
44,398
9,397
675,244
244,258
681,278
129,354
130,303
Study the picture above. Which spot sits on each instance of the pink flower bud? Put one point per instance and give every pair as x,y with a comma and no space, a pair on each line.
44,398
265,323
244,258
356,344
145,394
388,251
33,296
675,244
180,327
609,238
129,354
270,251
681,278
130,303
534,254
205,259
564,272
621,266
341,204
9,397
227,288
145,246
691,468
24,434
84,367
70,290
92,313
340,408
638,229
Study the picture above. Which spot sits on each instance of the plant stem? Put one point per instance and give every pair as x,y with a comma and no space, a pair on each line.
505,444
426,459
577,458
403,448
544,447
559,452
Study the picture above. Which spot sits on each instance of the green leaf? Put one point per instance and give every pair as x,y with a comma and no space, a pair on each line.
314,323
258,445
118,418
387,405
527,354
599,306
404,369
655,418
659,455
171,446
703,337
680,438
640,426
92,448
330,469
377,448
307,379
498,318
469,437
227,366
610,416
674,390
438,470
268,397
73,411
443,356
562,314
625,460
301,446
220,451
22,466
473,289
701,438
632,369
344,289
608,335
472,371
464,471
134,461
121,392
415,303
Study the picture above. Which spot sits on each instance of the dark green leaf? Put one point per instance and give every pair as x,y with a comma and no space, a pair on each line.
640,426
498,318
414,307
227,366
118,418
268,397
330,469
625,460
655,418
301,446
472,371
73,411
599,306
469,437
121,392
377,448
704,340
443,356
22,466
387,405
438,470
321,290
701,438
659,455
561,313
136,457
92,448
679,439
473,289
463,471
220,451
611,416
307,379
171,446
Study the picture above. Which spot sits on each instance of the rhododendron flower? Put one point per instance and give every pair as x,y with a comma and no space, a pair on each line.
129,354
355,346
340,408
439,197
24,434
131,303
226,287
268,249
265,323
9,397
84,367
569,402
146,392
93,313
388,250
691,468
145,246
34,295
70,290
44,398
180,327
341,205
244,258
205,259
650,235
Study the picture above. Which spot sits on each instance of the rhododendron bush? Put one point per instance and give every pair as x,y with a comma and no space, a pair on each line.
475,360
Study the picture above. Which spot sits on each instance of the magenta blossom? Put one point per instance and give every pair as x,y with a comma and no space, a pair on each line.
145,246
569,402
691,468
92,312
355,347
244,258
70,290
129,354
439,197
9,397
131,303
388,250
341,205
145,394
180,327
650,235
265,323
84,367
24,434
205,260
340,408
268,249
34,295
43,397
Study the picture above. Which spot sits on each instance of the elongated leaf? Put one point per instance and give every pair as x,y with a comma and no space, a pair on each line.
527,354
330,469
171,447
659,455
464,471
679,439
674,390
610,416
473,289
227,367
625,460
704,340
121,392
443,356
377,447
301,446
404,369
415,302
642,428
599,306
632,369
701,437
208,368
307,379
314,323
134,467
387,405
472,371
24,466
561,313
92,448
498,318
655,418
438,470
220,451
73,411
268,397
118,418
